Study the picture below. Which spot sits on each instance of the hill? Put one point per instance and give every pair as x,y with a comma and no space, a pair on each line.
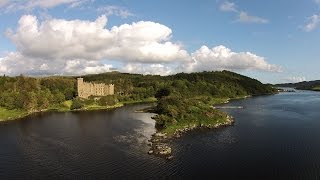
305,85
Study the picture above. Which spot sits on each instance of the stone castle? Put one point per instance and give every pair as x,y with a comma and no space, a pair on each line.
86,89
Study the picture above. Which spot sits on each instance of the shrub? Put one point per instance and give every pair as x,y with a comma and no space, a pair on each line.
77,104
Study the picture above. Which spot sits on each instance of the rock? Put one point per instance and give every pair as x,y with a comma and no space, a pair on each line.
169,158
160,134
150,152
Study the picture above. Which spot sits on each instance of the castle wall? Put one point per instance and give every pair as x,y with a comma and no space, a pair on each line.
86,89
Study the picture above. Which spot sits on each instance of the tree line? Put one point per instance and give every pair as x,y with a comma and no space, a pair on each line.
32,93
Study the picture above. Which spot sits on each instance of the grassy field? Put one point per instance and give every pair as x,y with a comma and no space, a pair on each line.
151,99
97,107
317,88
6,114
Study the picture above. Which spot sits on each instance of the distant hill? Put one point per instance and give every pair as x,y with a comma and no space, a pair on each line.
305,85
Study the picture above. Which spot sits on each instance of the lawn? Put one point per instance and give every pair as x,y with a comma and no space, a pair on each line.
6,114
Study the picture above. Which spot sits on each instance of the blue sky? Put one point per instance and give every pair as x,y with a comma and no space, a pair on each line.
273,41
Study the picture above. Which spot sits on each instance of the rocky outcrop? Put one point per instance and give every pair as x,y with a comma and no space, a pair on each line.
159,146
159,142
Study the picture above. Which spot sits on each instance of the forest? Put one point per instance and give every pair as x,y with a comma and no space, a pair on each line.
182,98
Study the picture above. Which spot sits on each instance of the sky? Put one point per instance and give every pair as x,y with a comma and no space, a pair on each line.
274,41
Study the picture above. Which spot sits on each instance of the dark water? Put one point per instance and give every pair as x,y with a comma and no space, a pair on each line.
275,137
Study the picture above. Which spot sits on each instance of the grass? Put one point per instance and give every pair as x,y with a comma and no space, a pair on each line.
150,99
63,107
317,88
6,114
68,103
98,107
198,115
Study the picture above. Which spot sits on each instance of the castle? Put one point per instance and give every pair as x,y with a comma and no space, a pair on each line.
86,89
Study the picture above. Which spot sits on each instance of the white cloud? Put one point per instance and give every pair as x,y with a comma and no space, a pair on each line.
227,6
28,5
158,69
244,17
143,41
313,23
295,79
115,10
220,57
58,46
80,3
16,63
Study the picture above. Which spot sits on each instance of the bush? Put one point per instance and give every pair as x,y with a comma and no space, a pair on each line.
107,101
77,104
162,92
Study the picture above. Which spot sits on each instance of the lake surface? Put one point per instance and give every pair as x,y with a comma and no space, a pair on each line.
274,137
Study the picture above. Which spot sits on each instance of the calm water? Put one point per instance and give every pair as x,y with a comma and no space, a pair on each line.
275,137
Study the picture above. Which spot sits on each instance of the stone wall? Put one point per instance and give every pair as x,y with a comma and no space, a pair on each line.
86,89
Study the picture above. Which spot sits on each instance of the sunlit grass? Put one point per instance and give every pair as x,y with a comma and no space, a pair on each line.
6,114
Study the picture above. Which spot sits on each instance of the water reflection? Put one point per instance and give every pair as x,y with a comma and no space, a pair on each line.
274,137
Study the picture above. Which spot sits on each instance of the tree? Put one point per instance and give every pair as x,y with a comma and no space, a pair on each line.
162,92
107,101
77,104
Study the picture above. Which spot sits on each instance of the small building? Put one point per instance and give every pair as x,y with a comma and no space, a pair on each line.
86,89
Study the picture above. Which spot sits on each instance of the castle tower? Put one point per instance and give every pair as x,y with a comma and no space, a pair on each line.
111,89
80,87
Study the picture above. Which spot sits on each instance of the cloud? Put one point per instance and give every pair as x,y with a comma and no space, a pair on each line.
220,58
28,5
317,1
80,3
227,6
58,46
158,69
16,63
295,79
115,10
313,23
244,17
143,41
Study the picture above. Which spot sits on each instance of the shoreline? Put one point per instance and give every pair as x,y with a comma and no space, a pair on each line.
23,114
26,114
159,141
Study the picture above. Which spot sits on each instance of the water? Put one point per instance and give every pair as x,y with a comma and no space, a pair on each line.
275,137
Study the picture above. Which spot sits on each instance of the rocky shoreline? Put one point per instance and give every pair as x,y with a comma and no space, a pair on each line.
159,142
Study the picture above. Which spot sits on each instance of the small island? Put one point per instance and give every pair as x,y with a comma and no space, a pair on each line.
184,101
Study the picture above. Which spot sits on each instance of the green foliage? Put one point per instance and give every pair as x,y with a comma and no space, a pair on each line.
162,92
77,103
6,114
33,94
107,101
316,88
173,111
177,94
